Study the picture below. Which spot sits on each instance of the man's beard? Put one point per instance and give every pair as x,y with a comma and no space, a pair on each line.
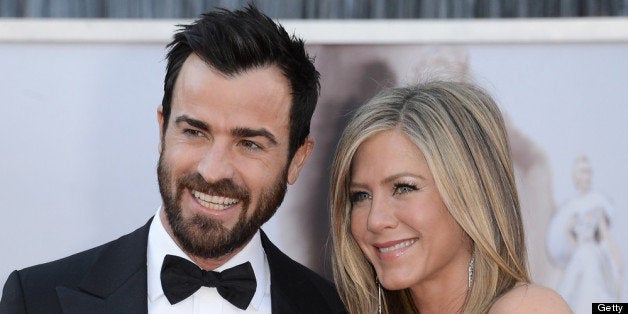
205,237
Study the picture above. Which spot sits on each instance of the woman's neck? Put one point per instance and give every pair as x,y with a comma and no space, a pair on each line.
444,294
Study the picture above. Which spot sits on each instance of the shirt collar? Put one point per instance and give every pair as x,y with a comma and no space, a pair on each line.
160,244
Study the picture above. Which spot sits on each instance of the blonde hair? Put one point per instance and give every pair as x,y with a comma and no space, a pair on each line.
462,135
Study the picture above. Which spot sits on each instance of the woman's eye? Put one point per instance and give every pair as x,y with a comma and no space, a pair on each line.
403,188
358,197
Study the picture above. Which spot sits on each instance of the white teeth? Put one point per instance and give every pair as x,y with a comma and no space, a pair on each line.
213,201
397,246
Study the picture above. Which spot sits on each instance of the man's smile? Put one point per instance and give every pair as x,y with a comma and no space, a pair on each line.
214,202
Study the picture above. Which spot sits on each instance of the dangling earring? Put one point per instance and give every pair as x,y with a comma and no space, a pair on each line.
471,267
379,296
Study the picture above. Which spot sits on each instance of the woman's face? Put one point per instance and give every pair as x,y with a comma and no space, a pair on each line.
399,219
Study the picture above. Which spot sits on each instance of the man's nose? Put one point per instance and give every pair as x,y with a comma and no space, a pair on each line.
217,163
381,216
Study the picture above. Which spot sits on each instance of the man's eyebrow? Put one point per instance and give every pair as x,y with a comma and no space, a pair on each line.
246,132
193,122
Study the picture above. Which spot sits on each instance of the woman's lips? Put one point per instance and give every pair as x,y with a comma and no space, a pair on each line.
394,249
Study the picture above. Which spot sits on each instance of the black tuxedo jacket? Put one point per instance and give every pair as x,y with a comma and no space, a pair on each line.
111,278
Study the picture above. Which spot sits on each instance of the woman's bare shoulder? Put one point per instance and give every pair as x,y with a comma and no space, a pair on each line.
530,298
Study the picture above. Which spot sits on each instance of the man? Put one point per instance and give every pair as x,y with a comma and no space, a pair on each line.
239,95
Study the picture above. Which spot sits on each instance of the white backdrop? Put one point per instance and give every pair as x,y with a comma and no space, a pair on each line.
79,132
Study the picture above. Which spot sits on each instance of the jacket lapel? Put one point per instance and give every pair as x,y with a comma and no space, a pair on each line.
116,283
285,287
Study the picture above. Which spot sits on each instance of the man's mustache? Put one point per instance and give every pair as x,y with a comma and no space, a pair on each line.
223,187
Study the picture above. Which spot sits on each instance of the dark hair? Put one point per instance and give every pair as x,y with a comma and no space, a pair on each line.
235,41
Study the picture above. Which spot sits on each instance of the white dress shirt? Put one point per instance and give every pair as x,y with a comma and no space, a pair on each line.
206,299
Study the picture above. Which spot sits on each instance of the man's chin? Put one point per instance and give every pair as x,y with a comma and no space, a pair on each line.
207,238
197,244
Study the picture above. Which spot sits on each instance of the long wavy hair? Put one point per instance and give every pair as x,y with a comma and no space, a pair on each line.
462,135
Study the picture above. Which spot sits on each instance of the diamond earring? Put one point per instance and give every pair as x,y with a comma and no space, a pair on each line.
471,267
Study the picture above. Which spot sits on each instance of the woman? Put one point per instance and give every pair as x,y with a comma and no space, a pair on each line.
424,208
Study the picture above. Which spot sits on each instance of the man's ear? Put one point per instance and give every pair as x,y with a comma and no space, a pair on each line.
298,161
160,121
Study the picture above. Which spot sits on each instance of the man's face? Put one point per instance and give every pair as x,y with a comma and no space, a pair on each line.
224,166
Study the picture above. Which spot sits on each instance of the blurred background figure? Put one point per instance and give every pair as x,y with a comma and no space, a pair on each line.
580,242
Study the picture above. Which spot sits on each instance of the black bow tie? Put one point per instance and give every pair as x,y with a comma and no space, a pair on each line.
180,278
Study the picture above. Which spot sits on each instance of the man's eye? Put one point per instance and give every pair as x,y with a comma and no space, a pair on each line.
192,132
356,197
250,145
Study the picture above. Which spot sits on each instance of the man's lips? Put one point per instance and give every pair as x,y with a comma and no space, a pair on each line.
214,202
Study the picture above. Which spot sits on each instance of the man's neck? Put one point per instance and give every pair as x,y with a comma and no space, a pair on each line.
213,263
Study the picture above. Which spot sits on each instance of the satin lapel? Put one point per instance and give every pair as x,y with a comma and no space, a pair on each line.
127,299
116,283
284,289
75,302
